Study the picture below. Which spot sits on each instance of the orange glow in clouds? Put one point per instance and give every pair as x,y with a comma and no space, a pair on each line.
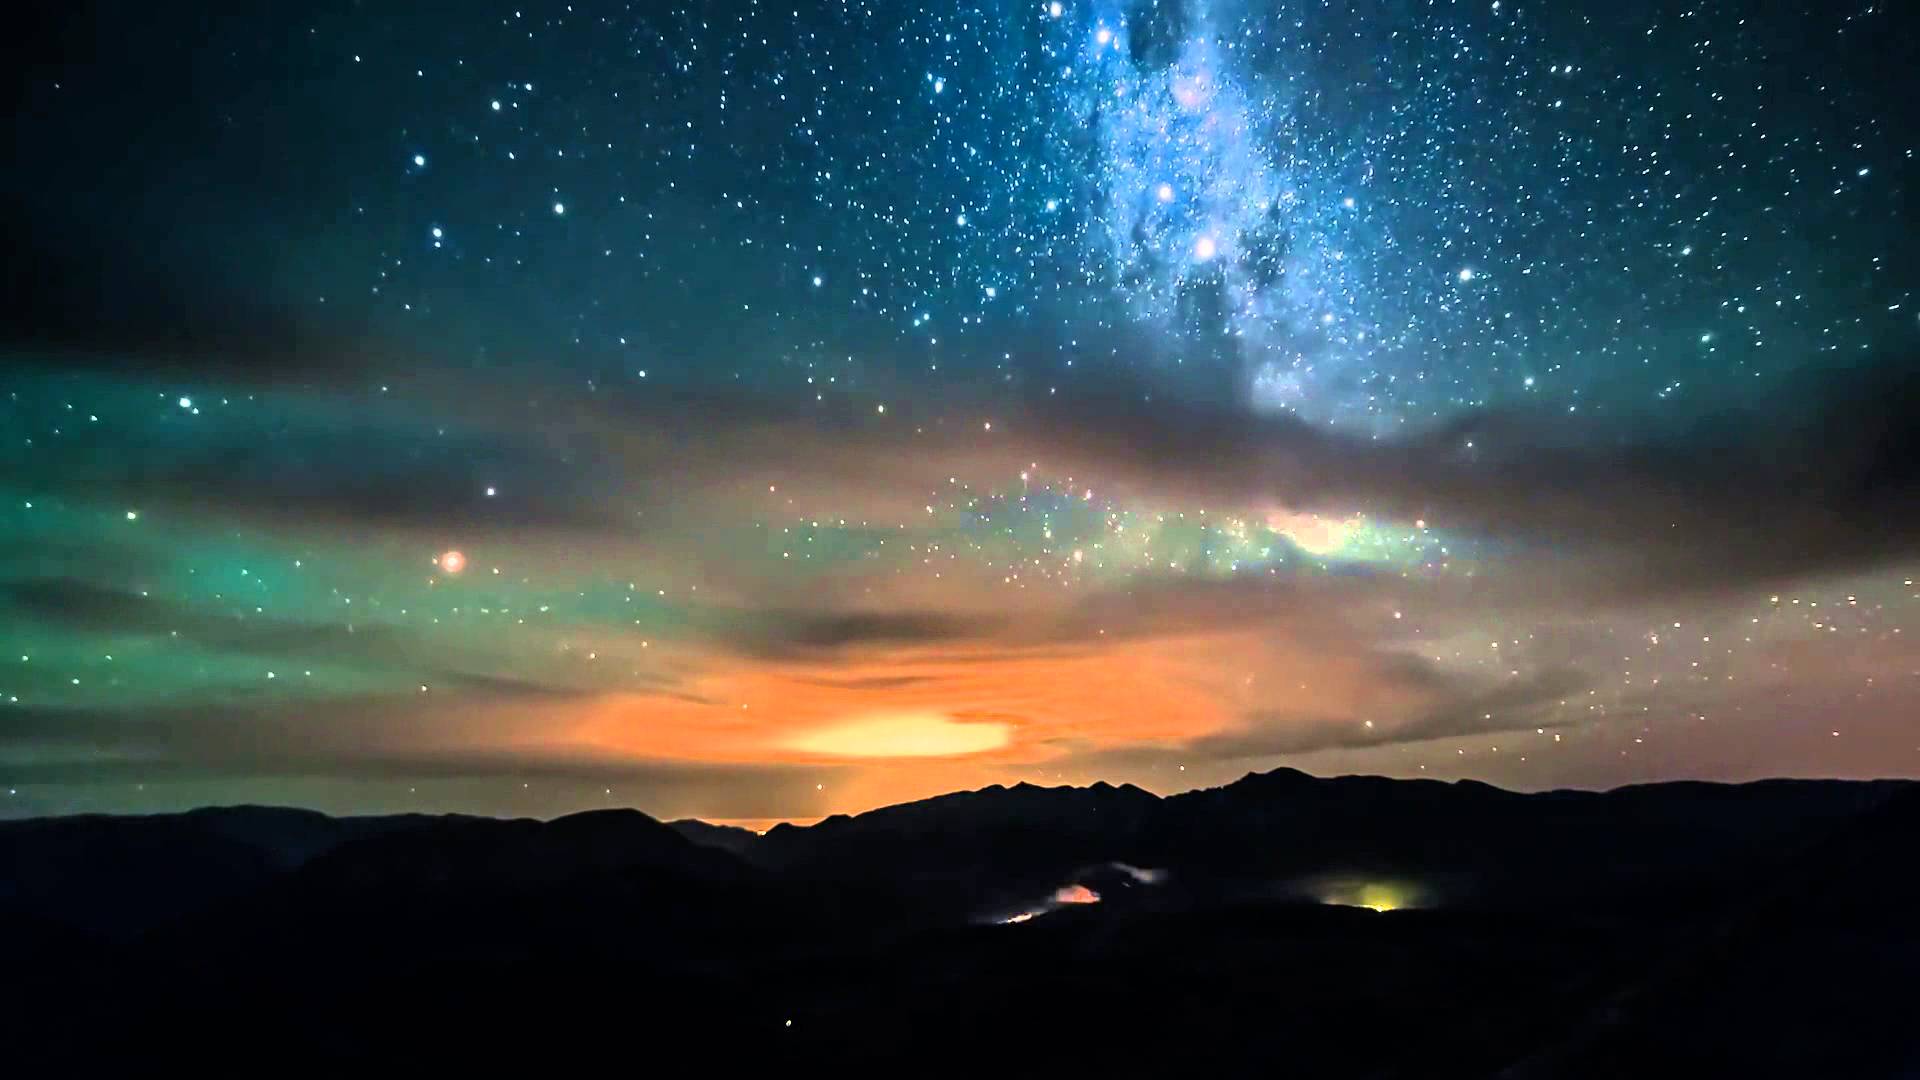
452,562
913,734
890,724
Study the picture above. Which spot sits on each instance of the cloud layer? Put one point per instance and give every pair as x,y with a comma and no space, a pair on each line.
731,670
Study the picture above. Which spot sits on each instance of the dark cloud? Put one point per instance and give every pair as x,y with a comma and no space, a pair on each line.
362,738
178,236
83,605
1454,707
1817,477
1161,604
788,633
1515,705
1820,475
872,682
400,653
323,459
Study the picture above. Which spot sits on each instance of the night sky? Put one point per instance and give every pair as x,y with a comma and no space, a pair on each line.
760,411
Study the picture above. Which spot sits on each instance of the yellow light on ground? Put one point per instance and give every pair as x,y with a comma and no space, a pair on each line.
1372,895
1379,898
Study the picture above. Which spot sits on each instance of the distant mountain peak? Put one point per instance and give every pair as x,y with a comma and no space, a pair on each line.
731,838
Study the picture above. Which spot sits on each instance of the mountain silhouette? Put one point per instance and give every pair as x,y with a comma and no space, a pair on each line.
729,838
1023,927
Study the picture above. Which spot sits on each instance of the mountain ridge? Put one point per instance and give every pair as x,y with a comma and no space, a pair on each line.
1113,927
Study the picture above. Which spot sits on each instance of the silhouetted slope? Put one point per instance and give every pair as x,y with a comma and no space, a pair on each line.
385,937
1729,929
729,838
459,853
122,875
1828,944
1253,989
1470,842
1276,833
961,855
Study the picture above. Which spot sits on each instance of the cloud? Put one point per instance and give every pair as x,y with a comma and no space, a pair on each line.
398,654
787,633
82,605
871,682
1578,527
902,734
1517,704
367,739
1817,477
307,459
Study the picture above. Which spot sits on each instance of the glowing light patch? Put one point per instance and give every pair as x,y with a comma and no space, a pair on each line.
1141,875
1062,897
1379,898
1313,533
927,734
452,562
1372,895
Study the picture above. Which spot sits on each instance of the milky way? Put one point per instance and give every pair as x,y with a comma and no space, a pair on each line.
534,407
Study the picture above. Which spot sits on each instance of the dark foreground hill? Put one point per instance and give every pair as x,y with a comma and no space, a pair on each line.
1759,929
